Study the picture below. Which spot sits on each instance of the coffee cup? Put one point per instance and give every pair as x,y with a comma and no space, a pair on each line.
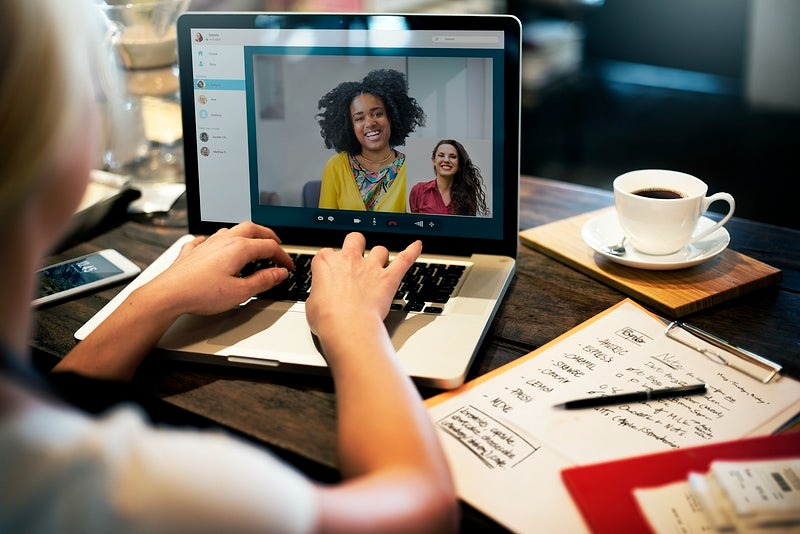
659,210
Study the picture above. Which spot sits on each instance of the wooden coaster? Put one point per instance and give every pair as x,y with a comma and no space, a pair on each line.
677,292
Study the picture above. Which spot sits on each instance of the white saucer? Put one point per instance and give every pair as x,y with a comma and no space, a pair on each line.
604,230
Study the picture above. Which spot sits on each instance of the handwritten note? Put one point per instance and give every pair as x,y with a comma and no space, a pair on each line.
495,444
507,443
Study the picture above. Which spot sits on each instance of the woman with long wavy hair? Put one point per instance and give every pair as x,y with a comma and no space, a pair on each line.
457,188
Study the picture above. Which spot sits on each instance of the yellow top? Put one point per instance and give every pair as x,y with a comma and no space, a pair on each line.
339,190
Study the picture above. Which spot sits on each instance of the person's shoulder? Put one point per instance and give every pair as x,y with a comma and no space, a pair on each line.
424,186
336,160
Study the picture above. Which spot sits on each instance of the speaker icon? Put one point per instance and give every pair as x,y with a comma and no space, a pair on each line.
420,223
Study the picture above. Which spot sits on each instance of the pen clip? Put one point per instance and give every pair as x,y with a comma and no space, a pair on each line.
721,352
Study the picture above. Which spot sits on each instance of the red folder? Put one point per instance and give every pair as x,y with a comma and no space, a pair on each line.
604,492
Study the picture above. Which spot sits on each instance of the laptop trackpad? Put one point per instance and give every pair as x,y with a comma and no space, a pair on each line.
263,323
249,320
269,330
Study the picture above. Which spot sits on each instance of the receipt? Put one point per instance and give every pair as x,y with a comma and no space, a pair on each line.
753,497
766,491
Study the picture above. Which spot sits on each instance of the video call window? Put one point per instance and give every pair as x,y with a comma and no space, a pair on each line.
288,153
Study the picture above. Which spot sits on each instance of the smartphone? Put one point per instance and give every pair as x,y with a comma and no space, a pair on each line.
82,275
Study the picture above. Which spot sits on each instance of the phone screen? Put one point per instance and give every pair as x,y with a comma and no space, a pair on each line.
75,273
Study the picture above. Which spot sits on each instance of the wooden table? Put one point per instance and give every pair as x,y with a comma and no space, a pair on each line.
295,416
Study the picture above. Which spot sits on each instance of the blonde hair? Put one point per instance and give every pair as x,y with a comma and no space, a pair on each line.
45,76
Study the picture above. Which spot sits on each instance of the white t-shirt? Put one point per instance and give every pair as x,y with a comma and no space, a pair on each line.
62,471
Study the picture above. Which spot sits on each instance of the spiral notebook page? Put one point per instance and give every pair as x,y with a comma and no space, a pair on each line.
507,444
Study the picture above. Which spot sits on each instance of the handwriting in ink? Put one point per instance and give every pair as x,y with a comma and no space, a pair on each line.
613,347
622,358
581,360
670,360
737,385
604,389
520,394
538,384
492,442
719,396
597,353
632,335
567,368
501,405
555,376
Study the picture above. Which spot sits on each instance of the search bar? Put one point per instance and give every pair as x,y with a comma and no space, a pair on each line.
466,39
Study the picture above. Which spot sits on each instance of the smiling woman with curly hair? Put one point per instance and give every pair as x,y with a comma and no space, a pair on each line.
363,121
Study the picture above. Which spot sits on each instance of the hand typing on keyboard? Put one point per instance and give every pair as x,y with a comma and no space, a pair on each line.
297,284
205,278
426,287
350,289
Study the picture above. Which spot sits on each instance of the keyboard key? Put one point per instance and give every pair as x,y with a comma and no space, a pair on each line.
414,306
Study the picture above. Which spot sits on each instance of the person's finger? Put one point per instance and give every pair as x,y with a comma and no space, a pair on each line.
261,249
379,254
216,237
264,279
190,246
405,259
355,242
251,229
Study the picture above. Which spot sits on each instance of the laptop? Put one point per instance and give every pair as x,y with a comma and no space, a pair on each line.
250,86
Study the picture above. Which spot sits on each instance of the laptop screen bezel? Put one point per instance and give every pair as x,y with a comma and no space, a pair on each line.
462,246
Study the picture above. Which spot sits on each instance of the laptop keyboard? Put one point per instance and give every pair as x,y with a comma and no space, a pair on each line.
425,288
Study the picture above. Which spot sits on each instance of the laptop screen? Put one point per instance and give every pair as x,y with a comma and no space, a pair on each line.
317,125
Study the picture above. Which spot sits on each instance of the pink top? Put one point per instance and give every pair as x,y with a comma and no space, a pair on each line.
425,198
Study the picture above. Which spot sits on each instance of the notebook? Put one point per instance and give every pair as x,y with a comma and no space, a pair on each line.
250,88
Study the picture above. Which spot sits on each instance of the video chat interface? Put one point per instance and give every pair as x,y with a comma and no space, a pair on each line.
258,140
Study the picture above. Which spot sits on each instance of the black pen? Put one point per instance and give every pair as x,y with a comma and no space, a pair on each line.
637,396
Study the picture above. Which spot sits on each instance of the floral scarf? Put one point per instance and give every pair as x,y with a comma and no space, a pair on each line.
373,185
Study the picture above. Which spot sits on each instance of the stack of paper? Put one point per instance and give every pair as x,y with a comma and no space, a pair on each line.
733,496
504,435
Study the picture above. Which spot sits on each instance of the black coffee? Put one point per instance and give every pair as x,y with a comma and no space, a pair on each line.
656,192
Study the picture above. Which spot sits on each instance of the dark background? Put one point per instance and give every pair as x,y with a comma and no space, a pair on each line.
662,85
659,84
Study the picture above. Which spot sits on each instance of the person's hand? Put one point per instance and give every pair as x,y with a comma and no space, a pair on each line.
204,278
347,287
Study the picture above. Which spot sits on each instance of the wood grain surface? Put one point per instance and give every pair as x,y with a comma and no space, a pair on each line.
295,416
